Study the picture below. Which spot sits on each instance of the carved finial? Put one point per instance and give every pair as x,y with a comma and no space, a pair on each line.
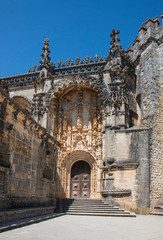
45,62
46,42
34,68
114,37
59,63
77,60
96,58
68,62
86,59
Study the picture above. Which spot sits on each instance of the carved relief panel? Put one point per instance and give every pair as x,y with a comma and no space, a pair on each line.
78,119
78,126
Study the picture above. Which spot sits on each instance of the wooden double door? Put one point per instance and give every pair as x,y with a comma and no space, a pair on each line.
80,180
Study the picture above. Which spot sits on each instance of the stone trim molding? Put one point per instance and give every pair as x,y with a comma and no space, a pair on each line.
116,192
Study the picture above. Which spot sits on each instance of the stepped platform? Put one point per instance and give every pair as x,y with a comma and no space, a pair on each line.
90,207
158,211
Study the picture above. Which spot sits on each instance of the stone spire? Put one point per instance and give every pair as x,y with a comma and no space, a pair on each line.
115,39
115,52
45,62
122,76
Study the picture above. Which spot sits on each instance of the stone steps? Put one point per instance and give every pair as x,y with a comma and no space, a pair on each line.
158,210
157,213
89,207
96,211
102,214
93,208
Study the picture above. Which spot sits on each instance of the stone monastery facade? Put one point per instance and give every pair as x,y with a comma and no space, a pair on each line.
89,128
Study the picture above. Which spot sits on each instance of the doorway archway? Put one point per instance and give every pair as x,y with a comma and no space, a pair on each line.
80,180
64,174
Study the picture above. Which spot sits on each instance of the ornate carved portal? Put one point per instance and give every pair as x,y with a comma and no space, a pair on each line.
78,126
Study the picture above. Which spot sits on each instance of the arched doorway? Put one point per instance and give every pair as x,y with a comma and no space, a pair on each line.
80,180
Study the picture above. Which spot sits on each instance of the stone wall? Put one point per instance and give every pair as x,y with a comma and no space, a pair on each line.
148,52
128,168
156,144
28,158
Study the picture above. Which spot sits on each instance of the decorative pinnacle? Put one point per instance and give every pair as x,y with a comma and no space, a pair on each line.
46,42
68,62
45,62
77,60
34,68
59,63
114,37
96,58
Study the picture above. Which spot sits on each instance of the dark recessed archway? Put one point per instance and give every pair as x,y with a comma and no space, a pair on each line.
80,180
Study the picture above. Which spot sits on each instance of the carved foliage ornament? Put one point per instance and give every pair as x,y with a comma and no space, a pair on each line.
39,106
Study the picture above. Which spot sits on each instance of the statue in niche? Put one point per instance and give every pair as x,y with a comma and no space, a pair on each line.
94,120
64,123
66,105
80,97
79,122
89,124
60,125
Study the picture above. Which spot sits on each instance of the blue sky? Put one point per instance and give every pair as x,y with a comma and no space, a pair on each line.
74,28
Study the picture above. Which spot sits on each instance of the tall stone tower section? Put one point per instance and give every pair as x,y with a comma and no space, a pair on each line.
148,57
120,106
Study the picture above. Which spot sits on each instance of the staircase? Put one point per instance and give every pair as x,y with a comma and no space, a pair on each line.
158,210
90,207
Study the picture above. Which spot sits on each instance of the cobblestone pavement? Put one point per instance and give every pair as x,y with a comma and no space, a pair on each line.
90,227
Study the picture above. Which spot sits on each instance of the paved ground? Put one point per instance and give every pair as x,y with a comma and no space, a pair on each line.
90,227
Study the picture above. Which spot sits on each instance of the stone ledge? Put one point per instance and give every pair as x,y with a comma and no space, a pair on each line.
157,213
14,214
124,166
115,192
121,166
9,204
159,207
133,129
